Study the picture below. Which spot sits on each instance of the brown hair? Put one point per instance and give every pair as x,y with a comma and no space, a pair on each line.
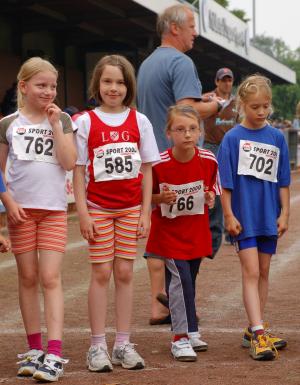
30,68
128,73
251,86
181,109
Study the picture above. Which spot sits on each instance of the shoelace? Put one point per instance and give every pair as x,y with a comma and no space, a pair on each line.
26,357
264,342
184,343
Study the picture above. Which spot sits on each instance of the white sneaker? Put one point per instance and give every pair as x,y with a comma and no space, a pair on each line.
198,345
127,356
51,369
30,362
182,350
98,360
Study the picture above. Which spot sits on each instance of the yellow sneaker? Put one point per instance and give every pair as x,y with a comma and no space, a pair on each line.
277,342
261,349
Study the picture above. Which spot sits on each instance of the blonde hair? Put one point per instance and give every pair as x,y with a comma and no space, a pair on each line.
127,71
30,68
183,110
175,14
251,86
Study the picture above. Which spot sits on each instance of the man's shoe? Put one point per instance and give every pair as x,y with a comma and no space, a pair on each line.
98,360
160,321
127,356
51,370
182,350
30,362
261,349
163,299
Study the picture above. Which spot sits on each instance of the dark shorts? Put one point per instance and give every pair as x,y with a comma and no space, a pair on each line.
263,244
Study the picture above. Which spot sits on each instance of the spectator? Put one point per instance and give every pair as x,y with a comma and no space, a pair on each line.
215,128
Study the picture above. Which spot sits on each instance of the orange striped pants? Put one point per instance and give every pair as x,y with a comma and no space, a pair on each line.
43,229
117,234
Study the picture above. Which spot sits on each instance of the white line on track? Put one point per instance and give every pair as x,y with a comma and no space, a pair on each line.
149,329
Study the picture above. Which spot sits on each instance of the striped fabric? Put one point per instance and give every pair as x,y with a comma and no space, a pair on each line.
43,229
117,234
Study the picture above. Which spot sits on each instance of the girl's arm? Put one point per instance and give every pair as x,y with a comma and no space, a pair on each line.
87,225
4,244
283,219
64,143
15,213
232,225
144,221
166,196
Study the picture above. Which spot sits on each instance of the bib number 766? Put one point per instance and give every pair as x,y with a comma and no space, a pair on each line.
183,204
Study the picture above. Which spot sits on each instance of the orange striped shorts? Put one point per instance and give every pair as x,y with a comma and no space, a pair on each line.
43,229
117,234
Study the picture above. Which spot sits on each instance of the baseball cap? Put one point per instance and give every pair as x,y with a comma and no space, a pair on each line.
222,72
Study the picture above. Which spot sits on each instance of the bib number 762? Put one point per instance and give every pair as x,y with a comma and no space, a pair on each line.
40,146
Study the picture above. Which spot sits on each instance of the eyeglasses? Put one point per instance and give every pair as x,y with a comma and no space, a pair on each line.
181,130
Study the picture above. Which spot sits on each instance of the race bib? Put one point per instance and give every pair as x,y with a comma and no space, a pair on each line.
190,199
115,161
259,160
34,142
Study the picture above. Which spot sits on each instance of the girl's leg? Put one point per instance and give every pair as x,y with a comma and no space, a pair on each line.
123,277
28,275
97,296
50,276
250,276
263,283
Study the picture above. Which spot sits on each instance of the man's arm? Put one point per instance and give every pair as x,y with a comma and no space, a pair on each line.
205,109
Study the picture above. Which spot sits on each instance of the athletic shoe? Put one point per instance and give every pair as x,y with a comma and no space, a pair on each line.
127,356
261,349
98,360
197,344
182,350
277,342
30,362
51,369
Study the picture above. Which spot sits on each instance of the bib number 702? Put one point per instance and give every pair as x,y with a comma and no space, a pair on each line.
183,204
261,165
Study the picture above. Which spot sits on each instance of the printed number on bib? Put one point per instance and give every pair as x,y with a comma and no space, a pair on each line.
116,161
190,199
259,160
34,142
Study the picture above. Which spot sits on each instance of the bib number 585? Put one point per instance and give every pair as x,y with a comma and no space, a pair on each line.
118,164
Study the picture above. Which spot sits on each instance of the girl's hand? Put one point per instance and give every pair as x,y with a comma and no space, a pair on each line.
53,113
4,244
143,226
209,197
168,196
15,213
282,224
88,228
232,225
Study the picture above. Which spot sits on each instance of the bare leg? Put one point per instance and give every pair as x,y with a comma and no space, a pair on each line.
263,283
156,268
123,277
50,276
28,275
250,275
98,291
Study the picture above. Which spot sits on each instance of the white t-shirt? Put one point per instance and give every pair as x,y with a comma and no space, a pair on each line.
147,146
34,177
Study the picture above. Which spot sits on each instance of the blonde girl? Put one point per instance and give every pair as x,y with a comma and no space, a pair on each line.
116,147
255,177
38,141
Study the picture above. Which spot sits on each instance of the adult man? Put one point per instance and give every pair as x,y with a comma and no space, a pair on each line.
215,128
165,78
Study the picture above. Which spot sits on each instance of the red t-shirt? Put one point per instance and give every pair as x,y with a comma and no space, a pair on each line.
187,235
115,151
